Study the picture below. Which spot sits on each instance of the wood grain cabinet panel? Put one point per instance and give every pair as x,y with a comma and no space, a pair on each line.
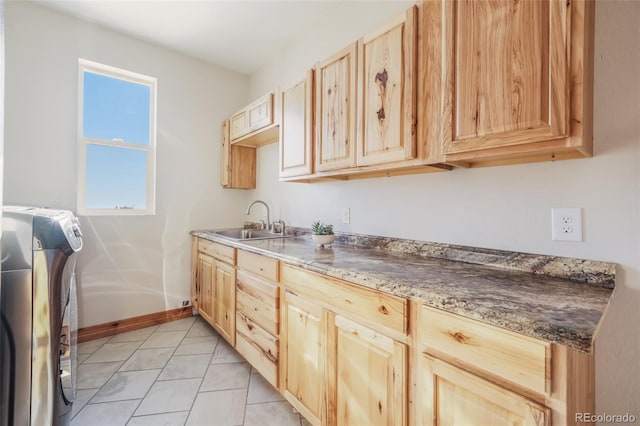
263,266
506,81
206,283
260,113
521,360
224,318
258,346
336,110
296,128
303,353
509,71
258,299
452,396
386,92
357,356
239,125
378,310
218,251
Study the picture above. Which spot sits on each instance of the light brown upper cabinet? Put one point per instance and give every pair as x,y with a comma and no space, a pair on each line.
255,124
508,80
386,92
238,168
296,128
336,110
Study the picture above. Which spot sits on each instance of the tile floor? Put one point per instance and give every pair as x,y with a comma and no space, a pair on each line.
178,373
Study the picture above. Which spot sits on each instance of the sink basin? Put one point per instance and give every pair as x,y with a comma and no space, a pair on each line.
254,234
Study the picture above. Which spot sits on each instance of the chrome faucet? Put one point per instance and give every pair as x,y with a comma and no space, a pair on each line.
268,224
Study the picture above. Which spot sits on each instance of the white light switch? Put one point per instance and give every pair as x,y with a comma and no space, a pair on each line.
566,224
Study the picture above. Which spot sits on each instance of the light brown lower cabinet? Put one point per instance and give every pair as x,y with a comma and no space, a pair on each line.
453,396
347,355
366,375
224,318
303,354
337,368
206,283
213,282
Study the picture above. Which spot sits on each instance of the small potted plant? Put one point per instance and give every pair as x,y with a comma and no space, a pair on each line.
322,234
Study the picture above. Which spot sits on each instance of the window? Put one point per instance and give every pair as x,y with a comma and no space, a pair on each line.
116,141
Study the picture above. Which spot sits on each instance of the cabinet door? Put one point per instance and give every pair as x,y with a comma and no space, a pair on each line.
296,128
260,113
225,301
239,125
452,396
302,355
506,72
206,282
386,92
336,111
367,377
238,163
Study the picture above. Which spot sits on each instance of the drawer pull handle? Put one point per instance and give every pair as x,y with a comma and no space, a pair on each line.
459,337
383,310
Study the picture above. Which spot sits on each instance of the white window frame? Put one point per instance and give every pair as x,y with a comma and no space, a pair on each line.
151,82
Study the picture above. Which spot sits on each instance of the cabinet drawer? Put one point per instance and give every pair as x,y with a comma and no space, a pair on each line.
219,251
376,308
518,359
258,347
258,300
264,266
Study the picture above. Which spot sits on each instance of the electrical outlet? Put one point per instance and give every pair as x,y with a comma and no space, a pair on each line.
566,224
185,303
346,215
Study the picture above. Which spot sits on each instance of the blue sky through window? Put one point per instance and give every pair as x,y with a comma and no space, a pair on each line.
112,108
115,108
116,177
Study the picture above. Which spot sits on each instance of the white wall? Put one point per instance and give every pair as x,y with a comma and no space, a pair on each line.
129,265
503,207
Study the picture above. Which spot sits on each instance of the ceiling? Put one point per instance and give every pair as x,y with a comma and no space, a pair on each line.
237,34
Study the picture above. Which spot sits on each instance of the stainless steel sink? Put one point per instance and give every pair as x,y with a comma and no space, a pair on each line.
239,234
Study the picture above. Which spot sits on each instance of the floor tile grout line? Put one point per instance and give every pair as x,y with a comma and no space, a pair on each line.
161,370
118,369
204,375
138,348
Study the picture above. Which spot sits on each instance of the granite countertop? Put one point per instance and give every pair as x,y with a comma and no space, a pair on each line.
559,300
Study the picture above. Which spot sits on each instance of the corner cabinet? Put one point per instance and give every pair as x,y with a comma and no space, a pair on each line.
255,125
296,128
513,79
238,168
213,285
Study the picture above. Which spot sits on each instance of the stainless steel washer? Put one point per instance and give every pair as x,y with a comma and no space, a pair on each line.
38,316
